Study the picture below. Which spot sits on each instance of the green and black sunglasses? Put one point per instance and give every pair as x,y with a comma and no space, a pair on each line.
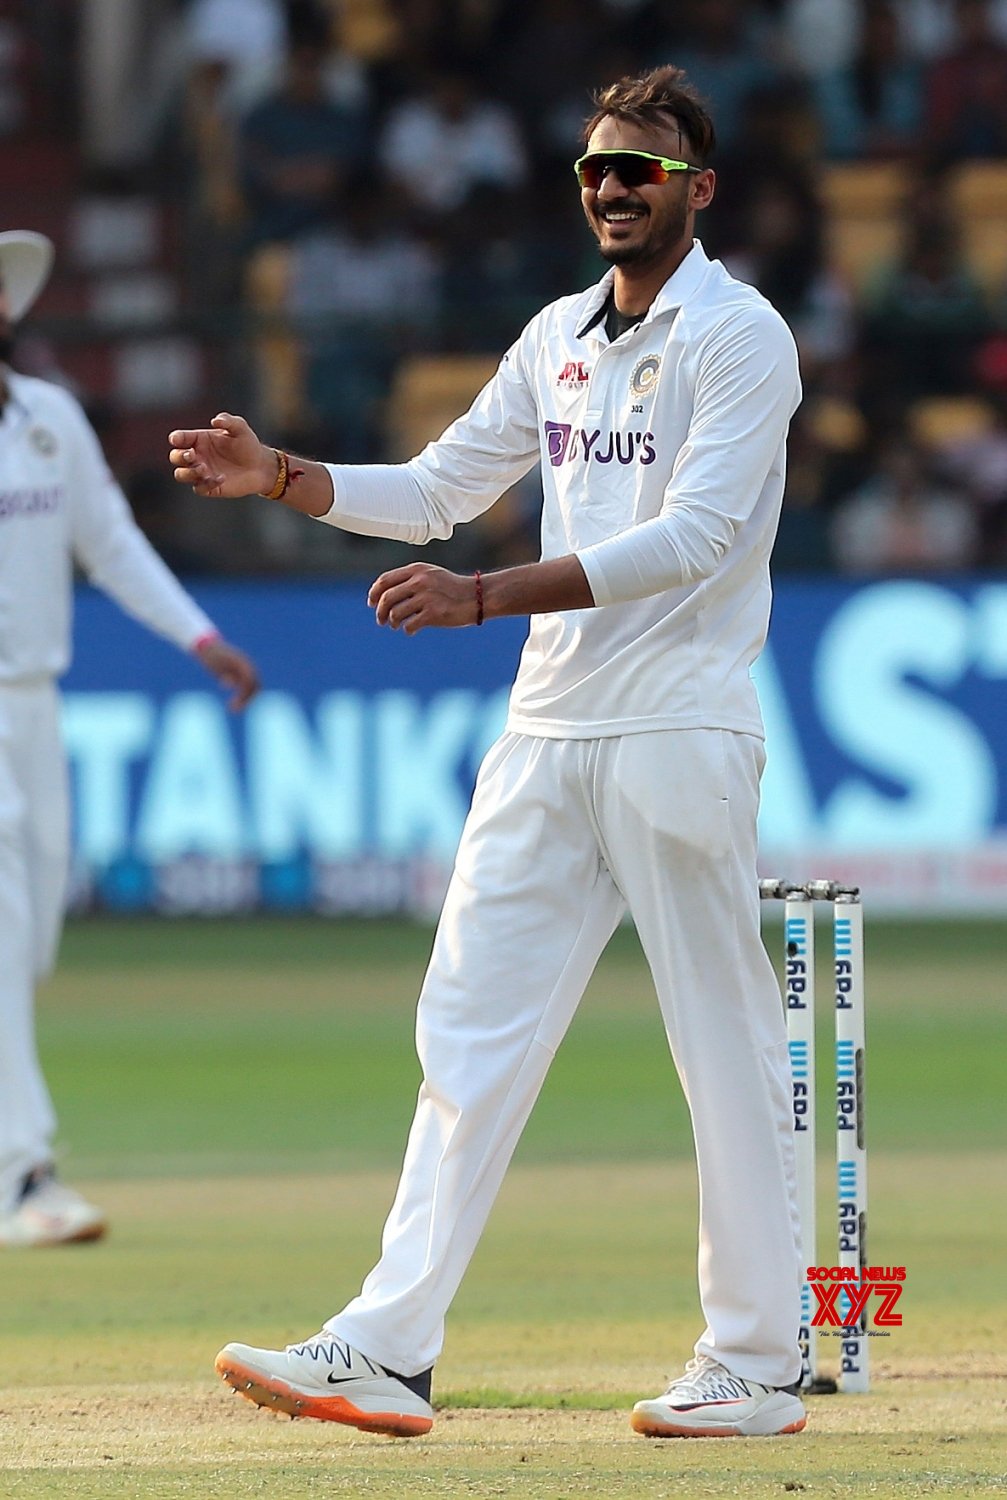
633,168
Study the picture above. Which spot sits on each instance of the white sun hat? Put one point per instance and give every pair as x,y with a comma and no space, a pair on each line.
25,263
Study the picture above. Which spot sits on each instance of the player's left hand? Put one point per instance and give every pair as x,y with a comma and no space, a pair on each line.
419,594
232,669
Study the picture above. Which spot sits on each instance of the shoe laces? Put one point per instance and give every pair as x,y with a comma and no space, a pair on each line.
323,1336
700,1377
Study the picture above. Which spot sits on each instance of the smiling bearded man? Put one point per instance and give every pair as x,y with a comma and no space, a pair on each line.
628,774
631,231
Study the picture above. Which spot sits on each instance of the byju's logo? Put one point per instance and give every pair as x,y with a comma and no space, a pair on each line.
566,444
557,440
573,375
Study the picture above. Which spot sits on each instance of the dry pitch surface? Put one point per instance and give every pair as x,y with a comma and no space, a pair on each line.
126,1404
173,1440
238,1095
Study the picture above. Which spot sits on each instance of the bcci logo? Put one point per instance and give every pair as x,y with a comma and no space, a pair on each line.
644,377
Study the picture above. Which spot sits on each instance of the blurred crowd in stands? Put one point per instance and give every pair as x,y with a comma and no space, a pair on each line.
383,190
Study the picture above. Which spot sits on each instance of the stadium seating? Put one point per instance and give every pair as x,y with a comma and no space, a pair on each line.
277,352
861,205
428,392
980,196
862,202
944,421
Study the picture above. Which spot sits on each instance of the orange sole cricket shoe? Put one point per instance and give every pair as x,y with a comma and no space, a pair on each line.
708,1401
329,1380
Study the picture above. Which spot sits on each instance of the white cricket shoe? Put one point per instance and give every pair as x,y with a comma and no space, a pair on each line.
49,1213
327,1378
708,1401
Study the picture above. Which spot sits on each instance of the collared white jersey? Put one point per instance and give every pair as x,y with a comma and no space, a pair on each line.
59,504
663,458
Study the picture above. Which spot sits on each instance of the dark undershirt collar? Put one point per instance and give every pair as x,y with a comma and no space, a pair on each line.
616,323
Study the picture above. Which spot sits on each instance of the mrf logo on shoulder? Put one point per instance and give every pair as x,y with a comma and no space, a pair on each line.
573,375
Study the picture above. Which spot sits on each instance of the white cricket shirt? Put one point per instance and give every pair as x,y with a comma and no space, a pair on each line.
663,459
59,504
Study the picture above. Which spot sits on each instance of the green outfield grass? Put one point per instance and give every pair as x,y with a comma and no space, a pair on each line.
160,1038
237,1094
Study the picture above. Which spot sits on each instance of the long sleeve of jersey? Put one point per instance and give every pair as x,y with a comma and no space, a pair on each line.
115,554
455,478
747,388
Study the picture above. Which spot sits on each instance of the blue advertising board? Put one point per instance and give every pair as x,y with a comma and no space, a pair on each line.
345,784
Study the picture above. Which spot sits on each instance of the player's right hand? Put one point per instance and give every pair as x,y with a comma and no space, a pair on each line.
224,460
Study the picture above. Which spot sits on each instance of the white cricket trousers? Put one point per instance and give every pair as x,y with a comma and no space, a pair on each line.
34,858
562,836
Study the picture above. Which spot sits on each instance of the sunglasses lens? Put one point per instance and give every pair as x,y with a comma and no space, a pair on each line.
632,171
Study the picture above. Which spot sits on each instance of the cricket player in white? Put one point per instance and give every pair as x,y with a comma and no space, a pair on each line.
58,505
628,776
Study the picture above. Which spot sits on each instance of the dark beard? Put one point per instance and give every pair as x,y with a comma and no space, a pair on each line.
650,251
625,255
7,343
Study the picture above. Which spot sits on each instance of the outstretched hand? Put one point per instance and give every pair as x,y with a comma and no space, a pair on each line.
420,594
225,460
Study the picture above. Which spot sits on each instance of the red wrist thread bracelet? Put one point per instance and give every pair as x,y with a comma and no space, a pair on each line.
479,597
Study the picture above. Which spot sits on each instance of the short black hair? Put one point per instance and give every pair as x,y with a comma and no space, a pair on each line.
649,99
